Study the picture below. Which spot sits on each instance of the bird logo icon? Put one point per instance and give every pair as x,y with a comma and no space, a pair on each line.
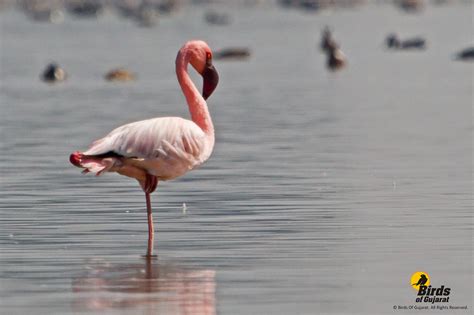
422,281
419,278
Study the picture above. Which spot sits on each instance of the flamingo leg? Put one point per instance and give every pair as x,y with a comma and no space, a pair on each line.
149,186
151,231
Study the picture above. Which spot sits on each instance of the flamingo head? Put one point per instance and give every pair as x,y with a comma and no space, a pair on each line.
201,60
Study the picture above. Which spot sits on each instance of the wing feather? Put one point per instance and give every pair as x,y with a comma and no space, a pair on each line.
163,137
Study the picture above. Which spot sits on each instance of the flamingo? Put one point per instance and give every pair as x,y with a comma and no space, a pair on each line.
160,148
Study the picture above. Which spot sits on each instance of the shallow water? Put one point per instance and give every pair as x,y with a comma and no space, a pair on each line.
325,191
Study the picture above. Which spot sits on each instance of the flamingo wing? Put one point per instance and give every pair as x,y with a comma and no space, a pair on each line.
157,145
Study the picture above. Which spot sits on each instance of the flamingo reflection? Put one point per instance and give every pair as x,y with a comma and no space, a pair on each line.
150,288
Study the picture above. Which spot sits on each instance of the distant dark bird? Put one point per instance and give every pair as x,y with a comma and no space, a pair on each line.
53,73
410,5
119,75
168,6
310,5
216,18
85,8
335,58
465,54
146,16
232,53
422,281
44,14
394,42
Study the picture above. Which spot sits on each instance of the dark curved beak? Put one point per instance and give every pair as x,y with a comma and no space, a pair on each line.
210,80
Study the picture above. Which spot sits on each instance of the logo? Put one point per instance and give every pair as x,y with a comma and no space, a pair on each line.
429,294
419,278
426,292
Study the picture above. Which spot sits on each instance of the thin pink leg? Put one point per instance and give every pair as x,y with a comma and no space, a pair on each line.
149,185
151,231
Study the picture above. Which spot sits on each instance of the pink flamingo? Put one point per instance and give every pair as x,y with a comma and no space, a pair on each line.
161,148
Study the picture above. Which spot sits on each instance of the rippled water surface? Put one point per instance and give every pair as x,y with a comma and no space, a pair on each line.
325,191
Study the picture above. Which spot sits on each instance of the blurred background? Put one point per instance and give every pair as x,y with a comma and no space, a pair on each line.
342,165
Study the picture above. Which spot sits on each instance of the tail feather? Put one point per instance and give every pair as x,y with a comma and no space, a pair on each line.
94,164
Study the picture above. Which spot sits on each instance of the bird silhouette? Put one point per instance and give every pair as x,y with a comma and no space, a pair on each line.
394,42
422,281
53,73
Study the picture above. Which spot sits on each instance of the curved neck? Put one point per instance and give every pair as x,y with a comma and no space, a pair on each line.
196,103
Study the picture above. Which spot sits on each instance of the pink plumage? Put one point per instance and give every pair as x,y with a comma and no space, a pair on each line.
163,147
160,148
